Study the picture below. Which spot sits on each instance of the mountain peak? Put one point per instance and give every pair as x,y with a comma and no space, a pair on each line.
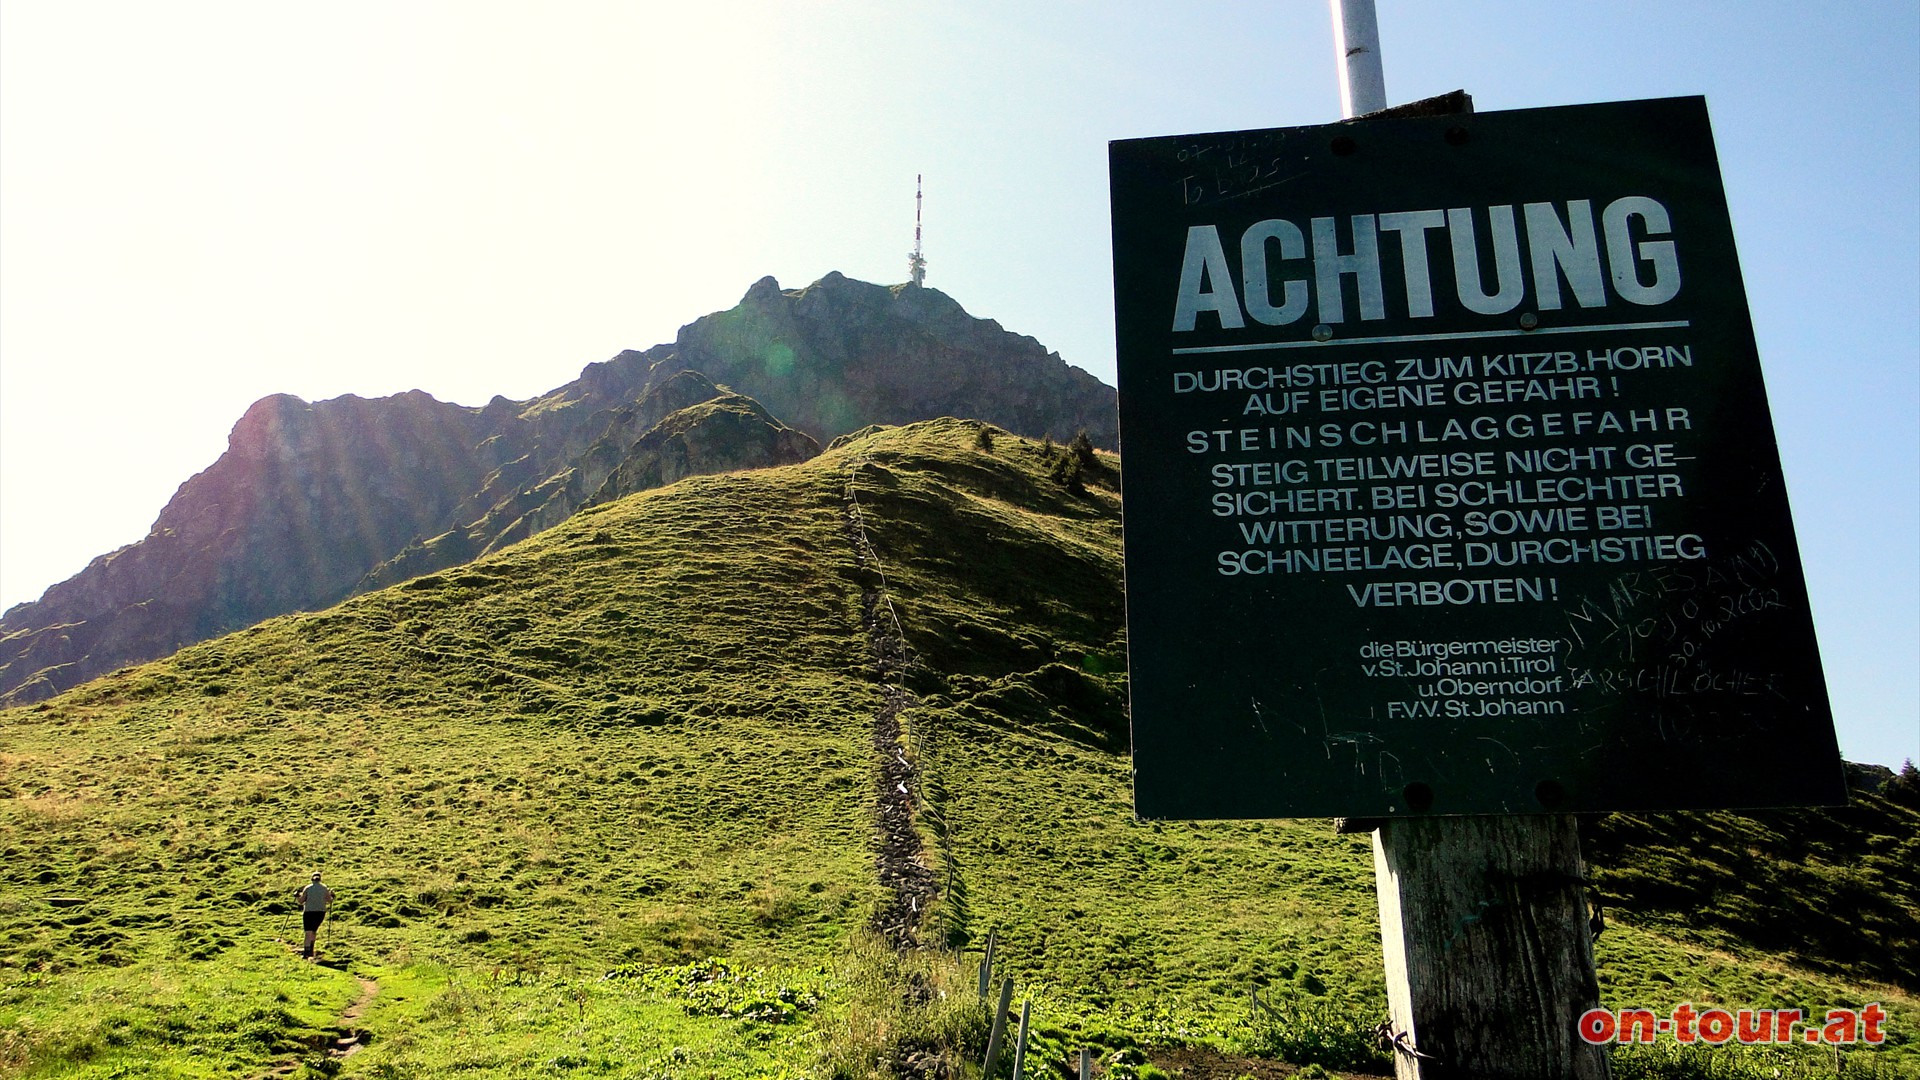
315,501
766,288
841,354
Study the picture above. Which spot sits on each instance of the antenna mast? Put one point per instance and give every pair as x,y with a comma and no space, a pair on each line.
916,262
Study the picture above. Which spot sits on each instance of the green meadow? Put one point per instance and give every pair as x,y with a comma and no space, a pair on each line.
605,804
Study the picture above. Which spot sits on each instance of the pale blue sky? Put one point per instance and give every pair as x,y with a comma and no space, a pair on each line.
203,203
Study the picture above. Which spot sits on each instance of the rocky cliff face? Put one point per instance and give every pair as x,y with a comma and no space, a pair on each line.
841,354
303,499
312,502
683,426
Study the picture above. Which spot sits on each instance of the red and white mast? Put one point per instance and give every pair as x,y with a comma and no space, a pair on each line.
916,262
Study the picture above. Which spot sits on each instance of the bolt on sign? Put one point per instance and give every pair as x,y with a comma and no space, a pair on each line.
1451,486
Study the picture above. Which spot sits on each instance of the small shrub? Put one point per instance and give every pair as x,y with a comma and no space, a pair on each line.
1904,788
1070,474
1082,448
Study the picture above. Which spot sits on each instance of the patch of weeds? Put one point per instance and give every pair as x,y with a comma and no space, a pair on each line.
712,988
1312,1030
320,1064
894,1015
1130,1064
1667,1061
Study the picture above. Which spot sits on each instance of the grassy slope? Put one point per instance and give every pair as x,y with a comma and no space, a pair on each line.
1838,890
1016,617
639,738
642,738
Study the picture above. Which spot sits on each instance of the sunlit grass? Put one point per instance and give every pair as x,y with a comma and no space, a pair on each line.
549,785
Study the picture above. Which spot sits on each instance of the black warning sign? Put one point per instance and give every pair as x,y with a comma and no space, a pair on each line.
1450,481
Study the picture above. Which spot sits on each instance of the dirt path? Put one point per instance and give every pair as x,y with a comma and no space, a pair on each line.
351,1039
898,856
339,1041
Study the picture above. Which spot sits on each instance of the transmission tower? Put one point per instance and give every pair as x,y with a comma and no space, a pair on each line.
916,262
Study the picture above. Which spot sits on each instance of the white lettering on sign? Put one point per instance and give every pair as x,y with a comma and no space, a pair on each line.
1616,255
1385,483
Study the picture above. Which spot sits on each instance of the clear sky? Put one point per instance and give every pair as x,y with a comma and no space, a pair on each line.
203,203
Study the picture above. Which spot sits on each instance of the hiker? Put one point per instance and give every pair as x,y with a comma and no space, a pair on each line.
314,899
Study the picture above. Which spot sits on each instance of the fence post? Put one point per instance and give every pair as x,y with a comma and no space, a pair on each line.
999,1028
1020,1046
986,962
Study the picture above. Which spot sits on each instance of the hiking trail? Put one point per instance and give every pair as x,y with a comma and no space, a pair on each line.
338,1042
903,871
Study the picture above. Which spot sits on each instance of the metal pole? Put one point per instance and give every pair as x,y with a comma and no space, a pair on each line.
1356,43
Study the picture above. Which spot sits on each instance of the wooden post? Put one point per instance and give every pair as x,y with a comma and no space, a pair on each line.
1086,1063
1020,1043
1489,956
999,1028
986,962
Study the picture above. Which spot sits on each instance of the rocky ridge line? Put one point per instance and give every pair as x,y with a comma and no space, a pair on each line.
313,502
